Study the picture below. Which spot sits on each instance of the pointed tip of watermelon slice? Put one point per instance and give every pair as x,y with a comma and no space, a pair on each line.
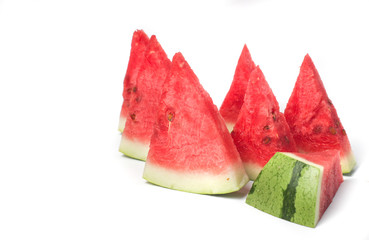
140,35
308,63
180,66
245,64
138,43
259,85
246,56
178,59
155,52
307,57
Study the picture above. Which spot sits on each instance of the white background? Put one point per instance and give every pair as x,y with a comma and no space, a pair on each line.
62,65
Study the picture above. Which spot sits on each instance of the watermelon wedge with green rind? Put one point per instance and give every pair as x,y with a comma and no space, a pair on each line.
313,119
138,46
261,129
297,187
191,149
233,101
144,101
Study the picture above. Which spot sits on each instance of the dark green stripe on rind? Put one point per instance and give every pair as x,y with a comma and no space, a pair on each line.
289,195
288,189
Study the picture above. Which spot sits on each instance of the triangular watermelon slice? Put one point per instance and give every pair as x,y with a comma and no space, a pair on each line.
191,149
144,101
233,101
261,129
313,119
138,46
297,187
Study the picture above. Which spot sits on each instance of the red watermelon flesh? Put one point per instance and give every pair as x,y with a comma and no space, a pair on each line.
138,46
261,129
233,101
144,101
191,149
313,119
332,175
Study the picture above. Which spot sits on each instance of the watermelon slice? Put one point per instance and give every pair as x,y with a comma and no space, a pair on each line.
313,119
297,187
261,129
138,46
144,101
191,149
233,101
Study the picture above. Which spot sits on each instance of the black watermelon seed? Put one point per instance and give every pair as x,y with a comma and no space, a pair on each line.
344,132
266,140
332,130
133,116
170,116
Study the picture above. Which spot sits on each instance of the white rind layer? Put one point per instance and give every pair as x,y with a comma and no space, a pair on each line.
252,170
230,126
122,123
134,148
317,208
196,182
347,162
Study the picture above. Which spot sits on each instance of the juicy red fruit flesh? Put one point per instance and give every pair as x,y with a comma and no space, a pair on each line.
312,117
233,101
138,46
145,94
261,129
190,134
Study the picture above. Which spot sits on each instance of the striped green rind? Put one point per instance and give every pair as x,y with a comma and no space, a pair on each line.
289,189
289,194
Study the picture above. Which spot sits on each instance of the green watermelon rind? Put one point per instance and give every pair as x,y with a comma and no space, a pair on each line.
196,181
122,124
266,193
321,168
134,149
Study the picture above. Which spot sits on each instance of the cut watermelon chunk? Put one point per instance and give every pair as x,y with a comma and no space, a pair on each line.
313,119
297,187
261,129
144,101
138,46
233,101
191,149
